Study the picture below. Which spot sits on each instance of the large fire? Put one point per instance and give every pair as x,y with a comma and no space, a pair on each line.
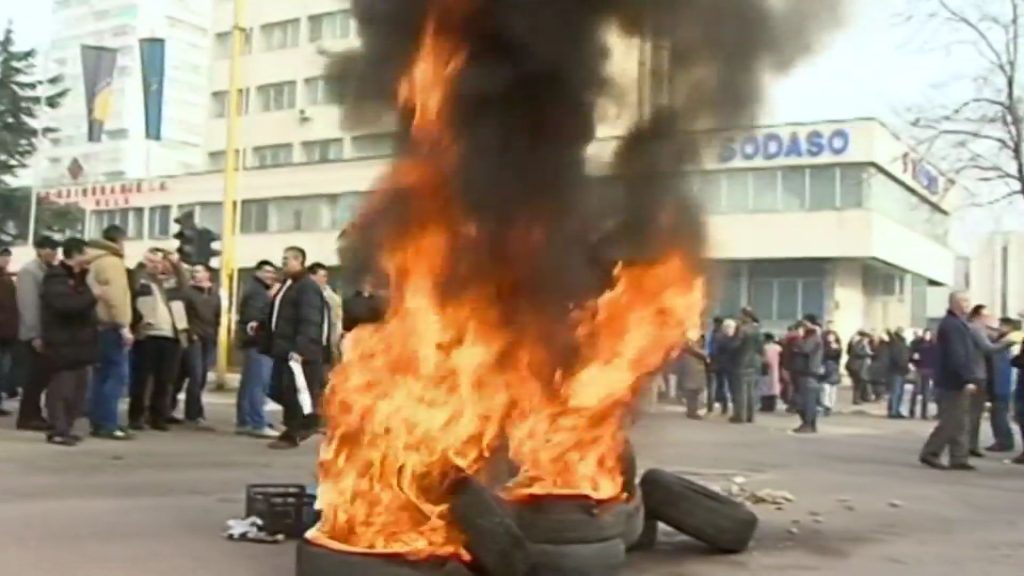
430,393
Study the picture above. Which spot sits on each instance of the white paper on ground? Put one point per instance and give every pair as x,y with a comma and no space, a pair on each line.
301,388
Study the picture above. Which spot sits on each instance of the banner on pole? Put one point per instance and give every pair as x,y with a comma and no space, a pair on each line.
153,53
98,64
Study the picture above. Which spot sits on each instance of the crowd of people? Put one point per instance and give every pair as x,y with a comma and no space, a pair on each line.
79,328
739,369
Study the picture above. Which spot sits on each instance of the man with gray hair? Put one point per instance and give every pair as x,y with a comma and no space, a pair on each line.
956,380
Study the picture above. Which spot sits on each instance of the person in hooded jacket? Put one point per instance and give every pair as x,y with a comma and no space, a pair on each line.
923,354
70,336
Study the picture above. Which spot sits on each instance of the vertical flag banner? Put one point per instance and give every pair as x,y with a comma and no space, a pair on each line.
98,64
152,52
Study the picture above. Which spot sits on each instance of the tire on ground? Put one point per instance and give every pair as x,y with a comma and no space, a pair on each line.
494,541
570,520
628,462
313,560
698,511
594,559
633,527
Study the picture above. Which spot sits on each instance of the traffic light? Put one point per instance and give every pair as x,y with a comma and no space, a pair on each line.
208,249
188,238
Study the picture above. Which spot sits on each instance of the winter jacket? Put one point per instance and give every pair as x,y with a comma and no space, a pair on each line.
881,363
749,357
772,380
924,355
858,365
30,286
690,367
69,329
956,367
253,306
107,272
809,356
983,351
8,309
162,303
899,355
361,308
203,308
298,322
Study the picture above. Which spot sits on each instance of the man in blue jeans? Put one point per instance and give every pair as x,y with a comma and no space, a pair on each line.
253,311
108,279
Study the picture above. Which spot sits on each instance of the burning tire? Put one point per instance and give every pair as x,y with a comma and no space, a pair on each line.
497,545
629,468
594,559
576,520
313,560
698,511
634,523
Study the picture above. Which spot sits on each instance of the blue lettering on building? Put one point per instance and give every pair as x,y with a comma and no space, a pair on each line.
770,146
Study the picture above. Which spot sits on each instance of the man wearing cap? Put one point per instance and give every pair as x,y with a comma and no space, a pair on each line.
31,372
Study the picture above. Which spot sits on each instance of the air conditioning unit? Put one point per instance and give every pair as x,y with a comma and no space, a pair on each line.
304,115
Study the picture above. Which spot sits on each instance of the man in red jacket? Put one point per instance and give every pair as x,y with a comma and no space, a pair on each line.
8,328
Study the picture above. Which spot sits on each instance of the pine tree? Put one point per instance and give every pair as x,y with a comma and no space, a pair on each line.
23,98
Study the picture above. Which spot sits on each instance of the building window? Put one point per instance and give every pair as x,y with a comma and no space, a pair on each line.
318,91
373,145
823,188
279,35
131,219
323,150
330,26
222,44
219,103
851,186
273,97
206,215
708,188
349,205
794,189
737,191
159,222
300,214
255,216
276,155
766,190
218,160
787,299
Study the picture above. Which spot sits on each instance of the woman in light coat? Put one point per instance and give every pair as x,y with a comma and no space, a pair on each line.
771,379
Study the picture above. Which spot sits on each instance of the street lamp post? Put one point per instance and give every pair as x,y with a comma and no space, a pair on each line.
231,168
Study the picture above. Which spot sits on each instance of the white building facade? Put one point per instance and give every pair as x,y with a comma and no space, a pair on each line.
124,152
997,274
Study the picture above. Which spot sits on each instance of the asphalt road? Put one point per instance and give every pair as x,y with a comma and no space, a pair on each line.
157,506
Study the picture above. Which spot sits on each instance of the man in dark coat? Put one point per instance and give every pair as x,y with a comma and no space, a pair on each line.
364,306
253,312
899,362
28,361
298,340
747,365
70,334
202,306
808,367
956,379
8,328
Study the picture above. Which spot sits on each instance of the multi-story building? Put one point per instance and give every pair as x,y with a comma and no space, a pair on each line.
124,152
997,273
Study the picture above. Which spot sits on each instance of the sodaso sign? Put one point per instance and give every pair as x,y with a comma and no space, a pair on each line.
776,145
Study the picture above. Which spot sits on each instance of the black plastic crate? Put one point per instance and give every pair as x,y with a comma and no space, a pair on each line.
284,508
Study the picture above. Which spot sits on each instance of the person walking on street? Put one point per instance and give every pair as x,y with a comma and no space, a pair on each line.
858,367
156,358
297,340
253,312
771,375
808,367
70,340
202,305
747,364
28,357
108,279
8,329
924,355
984,336
899,359
1002,390
717,375
956,380
833,362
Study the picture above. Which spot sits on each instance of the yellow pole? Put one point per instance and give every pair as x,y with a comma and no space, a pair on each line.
231,169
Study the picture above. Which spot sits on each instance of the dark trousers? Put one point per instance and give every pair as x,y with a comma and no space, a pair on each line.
999,417
693,403
195,367
951,431
31,378
976,409
922,392
155,364
810,396
743,389
861,390
8,387
718,385
65,399
284,390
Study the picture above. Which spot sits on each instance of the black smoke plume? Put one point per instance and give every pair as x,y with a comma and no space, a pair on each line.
525,112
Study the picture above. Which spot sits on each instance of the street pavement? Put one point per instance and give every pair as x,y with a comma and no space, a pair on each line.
157,506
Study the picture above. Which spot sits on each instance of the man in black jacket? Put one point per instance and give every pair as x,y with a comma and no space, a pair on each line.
955,381
364,306
899,368
253,311
298,341
70,334
202,305
748,362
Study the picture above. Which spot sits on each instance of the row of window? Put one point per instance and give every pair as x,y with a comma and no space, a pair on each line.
332,150
300,214
275,97
337,25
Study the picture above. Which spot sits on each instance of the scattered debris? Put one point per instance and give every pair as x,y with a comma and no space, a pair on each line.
814,514
844,500
793,531
895,504
250,530
849,508
739,480
818,520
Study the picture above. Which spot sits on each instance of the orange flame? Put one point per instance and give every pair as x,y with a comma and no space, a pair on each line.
429,393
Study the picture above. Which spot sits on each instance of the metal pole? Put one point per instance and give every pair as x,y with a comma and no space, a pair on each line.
228,230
